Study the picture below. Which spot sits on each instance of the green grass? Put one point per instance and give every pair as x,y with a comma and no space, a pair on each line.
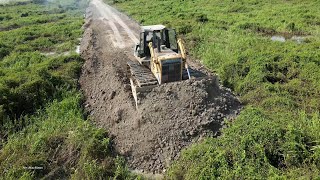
44,132
256,146
29,78
276,135
61,142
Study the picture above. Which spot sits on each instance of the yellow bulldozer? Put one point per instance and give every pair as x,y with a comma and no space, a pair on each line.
161,58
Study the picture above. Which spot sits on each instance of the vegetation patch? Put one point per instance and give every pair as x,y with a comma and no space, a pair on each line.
44,132
60,144
280,80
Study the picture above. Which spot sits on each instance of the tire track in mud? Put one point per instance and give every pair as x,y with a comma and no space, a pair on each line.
170,118
116,36
109,17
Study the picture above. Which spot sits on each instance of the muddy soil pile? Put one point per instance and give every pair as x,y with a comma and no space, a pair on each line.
173,116
168,119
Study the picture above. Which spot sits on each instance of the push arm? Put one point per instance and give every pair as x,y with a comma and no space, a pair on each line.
182,50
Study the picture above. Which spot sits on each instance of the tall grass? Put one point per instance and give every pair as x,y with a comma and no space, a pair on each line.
59,143
28,77
44,131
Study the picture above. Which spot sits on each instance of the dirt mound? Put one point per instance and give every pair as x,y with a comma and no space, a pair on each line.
169,118
173,116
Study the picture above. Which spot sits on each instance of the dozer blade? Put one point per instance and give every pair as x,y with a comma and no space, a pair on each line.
141,79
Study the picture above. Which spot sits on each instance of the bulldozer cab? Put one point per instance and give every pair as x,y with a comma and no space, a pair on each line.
159,35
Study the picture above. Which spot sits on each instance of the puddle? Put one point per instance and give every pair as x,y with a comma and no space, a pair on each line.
298,39
78,47
66,53
78,50
48,53
280,38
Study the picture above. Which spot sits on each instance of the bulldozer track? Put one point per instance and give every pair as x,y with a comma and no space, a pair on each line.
141,75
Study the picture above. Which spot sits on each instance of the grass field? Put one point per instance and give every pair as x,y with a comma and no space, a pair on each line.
44,131
277,133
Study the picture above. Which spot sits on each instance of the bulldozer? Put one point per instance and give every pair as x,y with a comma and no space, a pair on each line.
161,58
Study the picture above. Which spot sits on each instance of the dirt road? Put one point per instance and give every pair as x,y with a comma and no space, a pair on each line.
169,118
